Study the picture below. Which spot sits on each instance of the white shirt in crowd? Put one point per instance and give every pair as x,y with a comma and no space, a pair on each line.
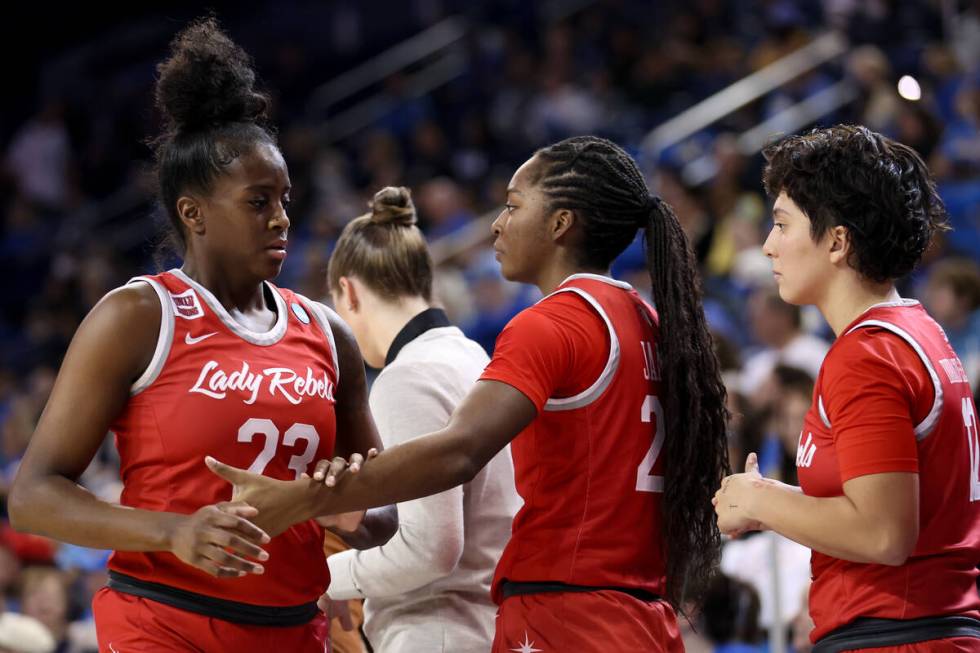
805,352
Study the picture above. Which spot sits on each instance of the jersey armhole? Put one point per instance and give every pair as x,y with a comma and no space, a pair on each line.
320,314
164,338
924,428
599,386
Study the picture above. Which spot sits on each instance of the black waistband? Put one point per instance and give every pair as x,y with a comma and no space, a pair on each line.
239,613
509,588
870,633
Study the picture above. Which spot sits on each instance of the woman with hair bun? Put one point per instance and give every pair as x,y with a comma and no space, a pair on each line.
207,359
428,589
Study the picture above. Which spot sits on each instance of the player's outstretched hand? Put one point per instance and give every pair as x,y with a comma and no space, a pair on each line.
275,501
329,471
220,540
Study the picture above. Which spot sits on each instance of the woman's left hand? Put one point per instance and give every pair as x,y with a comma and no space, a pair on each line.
735,499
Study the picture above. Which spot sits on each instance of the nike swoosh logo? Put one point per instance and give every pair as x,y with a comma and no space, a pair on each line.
190,340
112,649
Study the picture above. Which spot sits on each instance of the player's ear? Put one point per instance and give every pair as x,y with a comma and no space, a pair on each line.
562,221
839,242
348,294
191,215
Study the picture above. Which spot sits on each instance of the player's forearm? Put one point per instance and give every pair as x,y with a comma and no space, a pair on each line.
377,527
417,468
58,508
830,525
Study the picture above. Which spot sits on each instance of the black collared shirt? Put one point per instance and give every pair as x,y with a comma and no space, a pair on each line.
432,318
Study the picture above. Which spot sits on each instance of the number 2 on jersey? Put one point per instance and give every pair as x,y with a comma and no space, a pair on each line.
973,443
264,427
645,482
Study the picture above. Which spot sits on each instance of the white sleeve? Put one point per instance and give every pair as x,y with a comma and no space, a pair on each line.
405,404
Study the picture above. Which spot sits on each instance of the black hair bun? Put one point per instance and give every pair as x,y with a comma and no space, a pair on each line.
207,81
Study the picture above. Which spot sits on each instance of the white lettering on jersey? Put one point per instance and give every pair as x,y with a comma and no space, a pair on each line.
186,305
651,371
805,450
216,383
284,378
954,370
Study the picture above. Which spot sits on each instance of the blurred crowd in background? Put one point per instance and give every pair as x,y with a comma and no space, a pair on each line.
78,216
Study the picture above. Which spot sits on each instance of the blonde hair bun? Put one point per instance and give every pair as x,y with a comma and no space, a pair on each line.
393,205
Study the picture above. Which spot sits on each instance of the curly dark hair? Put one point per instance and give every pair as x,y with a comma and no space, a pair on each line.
211,110
877,188
601,184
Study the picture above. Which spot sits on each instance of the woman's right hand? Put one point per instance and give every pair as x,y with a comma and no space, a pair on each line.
219,539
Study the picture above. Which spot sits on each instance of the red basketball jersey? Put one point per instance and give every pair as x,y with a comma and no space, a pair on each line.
588,466
261,401
893,365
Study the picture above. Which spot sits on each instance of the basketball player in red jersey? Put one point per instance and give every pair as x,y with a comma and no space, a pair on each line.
616,413
207,359
888,458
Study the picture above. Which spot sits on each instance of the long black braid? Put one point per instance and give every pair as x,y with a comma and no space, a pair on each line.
602,185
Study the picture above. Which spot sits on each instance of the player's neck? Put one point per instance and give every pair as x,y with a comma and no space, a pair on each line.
554,275
853,297
387,320
239,295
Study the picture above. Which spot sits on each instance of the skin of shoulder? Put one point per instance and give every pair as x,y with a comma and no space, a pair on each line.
112,347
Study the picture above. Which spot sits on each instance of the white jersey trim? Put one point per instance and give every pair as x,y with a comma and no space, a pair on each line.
923,429
164,339
320,314
270,337
598,277
823,412
593,392
901,301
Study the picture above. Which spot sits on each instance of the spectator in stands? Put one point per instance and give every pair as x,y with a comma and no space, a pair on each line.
731,616
778,327
952,295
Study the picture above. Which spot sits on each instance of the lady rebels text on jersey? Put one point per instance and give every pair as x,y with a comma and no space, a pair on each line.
262,401
891,364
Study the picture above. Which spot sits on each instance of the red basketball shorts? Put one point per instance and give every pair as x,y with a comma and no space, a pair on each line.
585,622
951,645
131,624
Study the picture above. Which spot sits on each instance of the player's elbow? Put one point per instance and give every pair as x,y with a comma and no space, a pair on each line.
893,547
463,465
20,505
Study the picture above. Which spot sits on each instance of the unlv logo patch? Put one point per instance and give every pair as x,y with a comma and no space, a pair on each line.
187,305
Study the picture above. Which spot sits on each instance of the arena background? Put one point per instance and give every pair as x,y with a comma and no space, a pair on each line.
448,98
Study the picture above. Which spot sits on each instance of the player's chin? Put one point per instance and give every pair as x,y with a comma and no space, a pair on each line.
270,270
509,273
792,296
